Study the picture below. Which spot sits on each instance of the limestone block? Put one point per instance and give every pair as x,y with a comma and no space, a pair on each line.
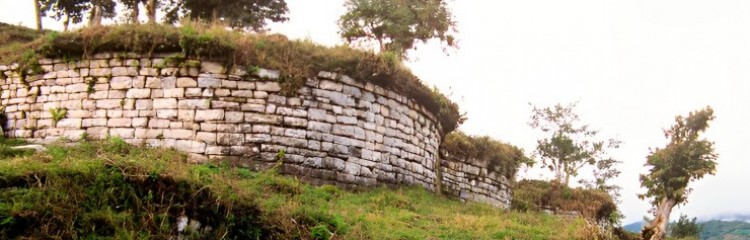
139,93
165,103
144,104
178,134
109,103
190,146
187,115
295,122
212,67
124,71
193,92
234,117
209,115
194,104
100,72
125,133
262,118
174,93
268,86
331,85
153,82
230,139
242,93
121,83
73,88
185,82
166,113
119,122
246,85
206,137
208,82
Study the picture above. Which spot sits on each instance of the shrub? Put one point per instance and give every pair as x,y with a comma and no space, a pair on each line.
500,157
537,195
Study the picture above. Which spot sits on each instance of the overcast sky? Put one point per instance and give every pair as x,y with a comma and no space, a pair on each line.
632,65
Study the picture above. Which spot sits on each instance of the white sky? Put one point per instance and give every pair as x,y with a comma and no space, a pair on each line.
633,65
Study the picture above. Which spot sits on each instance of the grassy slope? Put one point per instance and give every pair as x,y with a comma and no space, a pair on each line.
112,190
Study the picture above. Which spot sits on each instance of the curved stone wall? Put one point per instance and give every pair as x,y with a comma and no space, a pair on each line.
335,130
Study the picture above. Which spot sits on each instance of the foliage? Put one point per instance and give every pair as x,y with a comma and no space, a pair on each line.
397,24
500,157
686,158
297,60
110,189
570,146
57,114
685,228
237,14
69,11
538,195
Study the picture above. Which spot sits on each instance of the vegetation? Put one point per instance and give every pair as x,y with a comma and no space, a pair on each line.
297,60
685,158
237,14
685,228
500,157
718,230
570,146
397,25
538,195
109,189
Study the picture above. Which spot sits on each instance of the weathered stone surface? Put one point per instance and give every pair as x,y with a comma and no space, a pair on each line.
121,83
209,115
184,82
165,103
268,86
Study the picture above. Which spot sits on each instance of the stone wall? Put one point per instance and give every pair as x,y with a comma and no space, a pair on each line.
334,130
471,180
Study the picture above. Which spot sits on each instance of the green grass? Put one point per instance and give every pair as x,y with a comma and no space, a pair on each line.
111,190
296,60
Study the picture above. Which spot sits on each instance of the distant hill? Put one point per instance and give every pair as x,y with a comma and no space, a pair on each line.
714,229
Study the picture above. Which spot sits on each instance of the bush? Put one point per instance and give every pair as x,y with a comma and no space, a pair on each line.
499,157
537,195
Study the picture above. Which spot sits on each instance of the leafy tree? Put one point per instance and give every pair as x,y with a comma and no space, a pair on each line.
570,146
66,10
686,158
685,228
397,25
238,14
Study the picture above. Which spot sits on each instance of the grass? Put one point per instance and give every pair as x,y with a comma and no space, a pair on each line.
111,190
296,60
536,195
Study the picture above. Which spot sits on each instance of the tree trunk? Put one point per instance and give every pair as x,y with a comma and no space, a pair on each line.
657,228
66,22
151,11
38,14
95,18
215,15
134,14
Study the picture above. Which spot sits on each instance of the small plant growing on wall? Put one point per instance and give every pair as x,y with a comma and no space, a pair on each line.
57,114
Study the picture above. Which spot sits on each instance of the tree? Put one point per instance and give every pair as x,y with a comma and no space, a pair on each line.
237,14
100,9
686,158
685,228
151,7
397,25
66,10
569,147
38,15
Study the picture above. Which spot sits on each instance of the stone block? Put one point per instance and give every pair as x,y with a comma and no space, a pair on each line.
121,83
185,82
209,82
139,93
194,104
268,86
209,115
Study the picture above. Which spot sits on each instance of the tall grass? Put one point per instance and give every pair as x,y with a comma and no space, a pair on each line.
111,190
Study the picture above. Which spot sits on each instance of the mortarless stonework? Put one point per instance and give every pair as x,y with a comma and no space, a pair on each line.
334,131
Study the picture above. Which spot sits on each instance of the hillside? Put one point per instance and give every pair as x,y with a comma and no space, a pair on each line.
712,230
119,191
